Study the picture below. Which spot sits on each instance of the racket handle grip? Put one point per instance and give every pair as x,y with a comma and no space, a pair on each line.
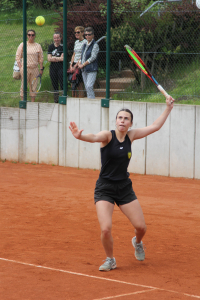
162,90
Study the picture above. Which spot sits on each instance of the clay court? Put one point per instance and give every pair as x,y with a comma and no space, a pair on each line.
50,238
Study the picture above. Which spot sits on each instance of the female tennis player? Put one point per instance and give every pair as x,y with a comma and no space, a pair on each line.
114,185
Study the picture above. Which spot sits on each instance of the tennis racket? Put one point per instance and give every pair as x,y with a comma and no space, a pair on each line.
141,65
36,83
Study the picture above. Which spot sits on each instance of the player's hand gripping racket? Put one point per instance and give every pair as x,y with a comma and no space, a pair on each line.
36,83
141,65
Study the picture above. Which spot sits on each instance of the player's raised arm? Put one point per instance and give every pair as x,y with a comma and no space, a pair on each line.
139,133
101,137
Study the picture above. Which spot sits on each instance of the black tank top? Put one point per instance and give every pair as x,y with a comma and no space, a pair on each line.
115,158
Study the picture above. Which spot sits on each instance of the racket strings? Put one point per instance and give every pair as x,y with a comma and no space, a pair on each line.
36,84
139,63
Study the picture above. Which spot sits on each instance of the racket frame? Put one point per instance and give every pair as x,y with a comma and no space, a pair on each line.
141,65
40,80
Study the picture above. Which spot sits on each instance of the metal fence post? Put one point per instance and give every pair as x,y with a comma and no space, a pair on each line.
105,102
22,104
62,99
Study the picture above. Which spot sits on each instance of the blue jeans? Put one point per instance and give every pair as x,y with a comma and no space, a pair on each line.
89,80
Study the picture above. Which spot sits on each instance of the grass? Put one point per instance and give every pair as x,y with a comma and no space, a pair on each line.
16,17
11,37
183,85
11,32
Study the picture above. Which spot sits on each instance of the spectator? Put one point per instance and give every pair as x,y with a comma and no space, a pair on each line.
79,32
34,58
55,56
89,63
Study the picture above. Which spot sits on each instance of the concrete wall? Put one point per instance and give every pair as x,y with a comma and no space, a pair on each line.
40,134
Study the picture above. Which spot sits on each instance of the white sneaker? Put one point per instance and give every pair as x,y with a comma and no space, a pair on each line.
110,264
139,249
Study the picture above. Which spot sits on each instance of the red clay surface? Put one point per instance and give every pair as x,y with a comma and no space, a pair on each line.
50,238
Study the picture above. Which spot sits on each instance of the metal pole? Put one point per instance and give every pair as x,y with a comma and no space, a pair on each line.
105,102
22,104
157,2
62,99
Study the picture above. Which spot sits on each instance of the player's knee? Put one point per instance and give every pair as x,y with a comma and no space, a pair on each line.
142,228
106,233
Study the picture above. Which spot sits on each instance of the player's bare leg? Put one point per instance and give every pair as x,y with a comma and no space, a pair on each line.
104,214
134,213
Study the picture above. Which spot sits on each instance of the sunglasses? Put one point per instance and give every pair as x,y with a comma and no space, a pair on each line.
89,34
29,34
77,32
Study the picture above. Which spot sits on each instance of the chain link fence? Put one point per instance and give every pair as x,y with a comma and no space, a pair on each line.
166,37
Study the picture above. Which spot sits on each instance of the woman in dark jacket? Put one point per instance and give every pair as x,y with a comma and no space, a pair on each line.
89,63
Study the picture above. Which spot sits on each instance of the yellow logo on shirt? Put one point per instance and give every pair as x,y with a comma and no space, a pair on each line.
129,155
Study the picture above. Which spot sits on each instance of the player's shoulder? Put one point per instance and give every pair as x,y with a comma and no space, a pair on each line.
106,137
107,132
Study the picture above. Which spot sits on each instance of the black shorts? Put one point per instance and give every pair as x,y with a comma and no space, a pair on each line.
120,192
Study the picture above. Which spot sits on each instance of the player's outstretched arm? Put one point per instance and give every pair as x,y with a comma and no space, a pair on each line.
101,137
139,133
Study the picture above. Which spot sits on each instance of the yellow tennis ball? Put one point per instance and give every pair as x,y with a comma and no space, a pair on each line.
40,20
